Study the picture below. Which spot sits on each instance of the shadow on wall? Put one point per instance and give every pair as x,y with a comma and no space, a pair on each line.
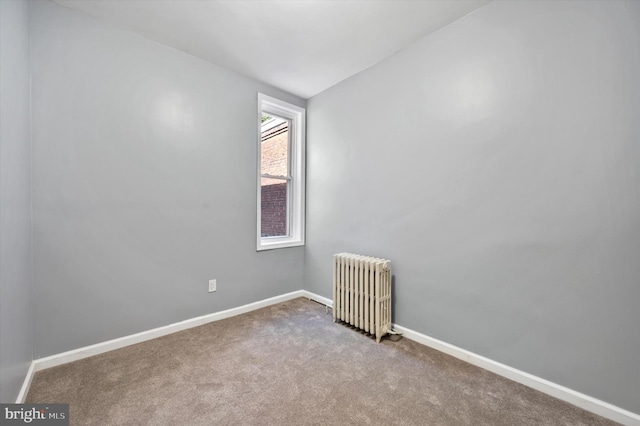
393,299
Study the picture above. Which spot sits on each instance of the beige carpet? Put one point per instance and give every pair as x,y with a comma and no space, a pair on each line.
289,364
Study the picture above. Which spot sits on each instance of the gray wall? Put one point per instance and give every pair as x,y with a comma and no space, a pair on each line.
496,163
16,324
144,185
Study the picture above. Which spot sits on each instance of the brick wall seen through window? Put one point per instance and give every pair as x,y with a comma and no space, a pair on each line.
274,162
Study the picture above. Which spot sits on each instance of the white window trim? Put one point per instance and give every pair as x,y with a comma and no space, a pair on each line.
296,214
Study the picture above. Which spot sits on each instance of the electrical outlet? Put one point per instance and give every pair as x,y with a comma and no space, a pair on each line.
212,286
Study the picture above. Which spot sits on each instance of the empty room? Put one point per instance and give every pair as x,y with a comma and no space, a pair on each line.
320,212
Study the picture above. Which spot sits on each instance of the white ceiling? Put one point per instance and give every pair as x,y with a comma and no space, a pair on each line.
302,46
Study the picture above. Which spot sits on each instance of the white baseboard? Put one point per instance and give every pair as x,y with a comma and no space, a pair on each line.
578,399
571,396
26,384
121,342
320,299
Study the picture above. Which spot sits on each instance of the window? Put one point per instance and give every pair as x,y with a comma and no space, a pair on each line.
281,144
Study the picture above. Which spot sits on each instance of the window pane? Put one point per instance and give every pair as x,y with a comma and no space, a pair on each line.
280,174
273,220
274,158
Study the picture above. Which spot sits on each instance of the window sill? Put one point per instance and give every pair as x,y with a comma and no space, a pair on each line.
277,243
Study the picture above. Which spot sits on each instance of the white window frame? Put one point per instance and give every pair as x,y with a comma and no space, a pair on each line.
296,195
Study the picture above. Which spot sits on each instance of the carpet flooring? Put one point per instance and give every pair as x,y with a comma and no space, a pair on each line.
289,364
